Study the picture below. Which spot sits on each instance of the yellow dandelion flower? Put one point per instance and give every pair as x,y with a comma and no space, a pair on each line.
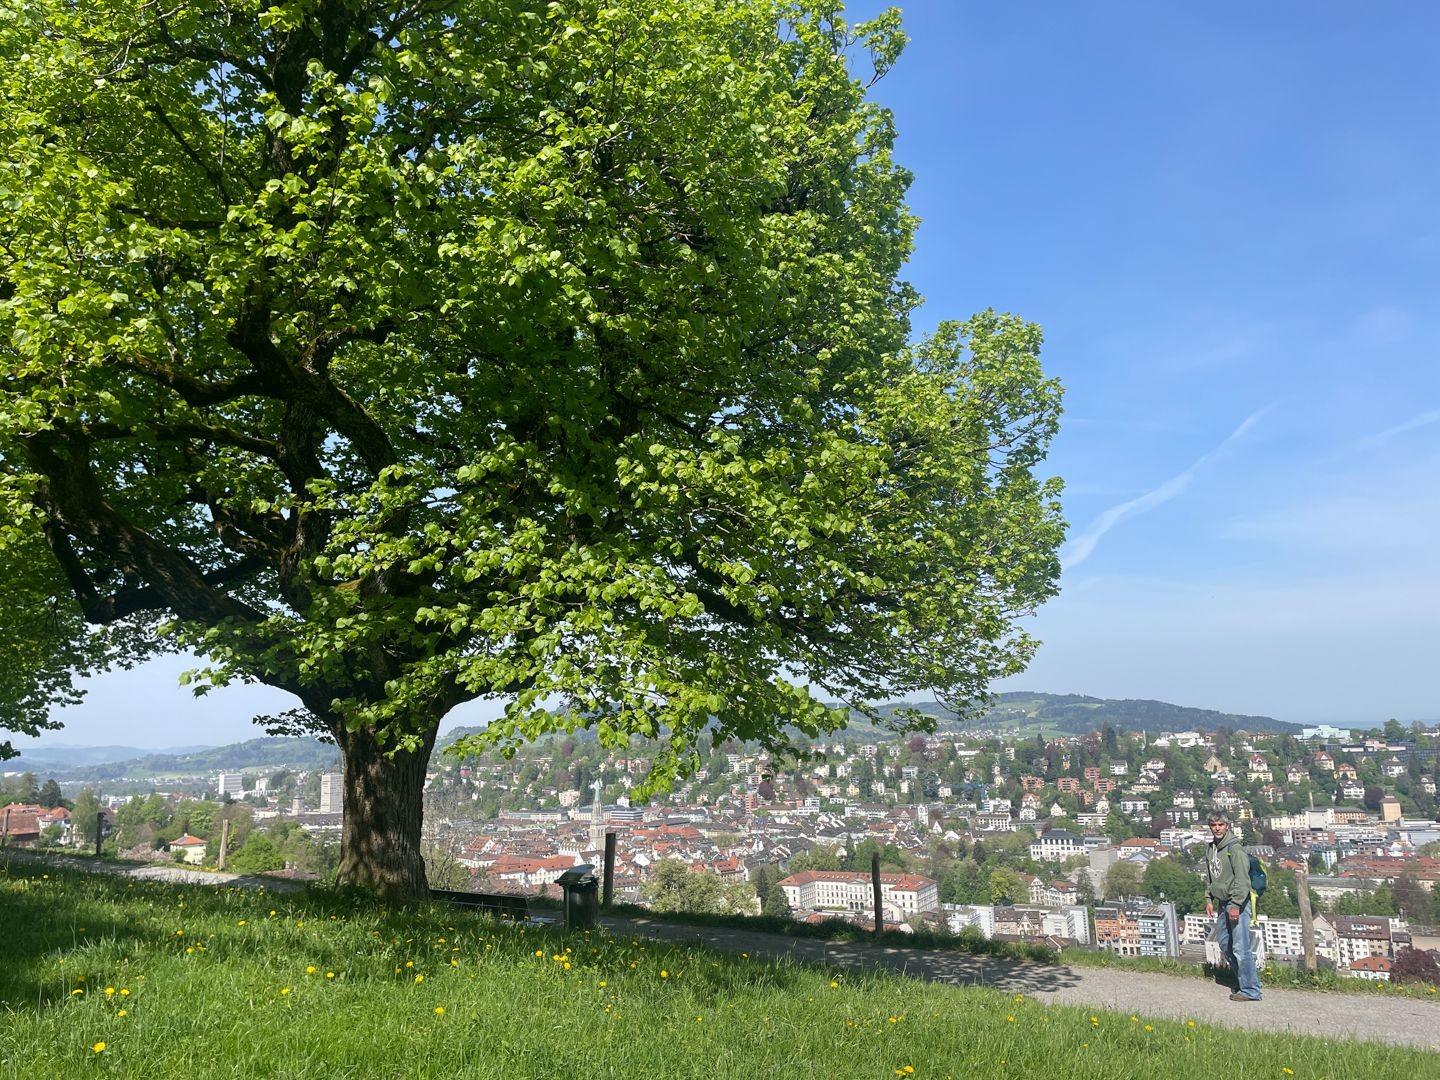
894,1020
284,991
272,913
99,1048
1189,1023
456,963
1149,1027
329,974
1094,1021
190,950
77,990
419,978
309,969
1010,1019
439,1010
834,985
109,991
123,1012
179,933
603,984
1019,998
664,974
539,952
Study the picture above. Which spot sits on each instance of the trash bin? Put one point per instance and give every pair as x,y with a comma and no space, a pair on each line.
582,897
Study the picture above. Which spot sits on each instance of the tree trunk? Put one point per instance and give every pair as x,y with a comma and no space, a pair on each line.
384,806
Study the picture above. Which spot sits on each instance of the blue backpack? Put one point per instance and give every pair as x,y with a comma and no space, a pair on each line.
1259,878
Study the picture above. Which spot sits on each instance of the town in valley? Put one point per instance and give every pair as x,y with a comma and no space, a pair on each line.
1085,840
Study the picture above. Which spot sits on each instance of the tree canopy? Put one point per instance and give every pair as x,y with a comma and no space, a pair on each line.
402,354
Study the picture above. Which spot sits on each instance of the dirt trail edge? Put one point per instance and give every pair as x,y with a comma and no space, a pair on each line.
1395,1020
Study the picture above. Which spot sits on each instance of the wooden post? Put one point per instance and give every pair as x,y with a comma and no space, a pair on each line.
609,879
5,830
224,842
879,900
1307,917
99,831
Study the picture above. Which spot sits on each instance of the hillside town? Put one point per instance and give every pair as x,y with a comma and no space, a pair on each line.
1088,841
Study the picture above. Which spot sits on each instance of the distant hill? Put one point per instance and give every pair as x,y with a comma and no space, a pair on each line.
267,753
1020,712
1077,714
73,757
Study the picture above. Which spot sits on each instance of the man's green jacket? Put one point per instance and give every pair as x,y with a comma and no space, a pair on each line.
1227,868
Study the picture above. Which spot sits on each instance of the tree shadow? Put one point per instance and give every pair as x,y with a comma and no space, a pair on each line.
955,968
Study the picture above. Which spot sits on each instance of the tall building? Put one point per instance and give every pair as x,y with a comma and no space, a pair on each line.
229,783
332,793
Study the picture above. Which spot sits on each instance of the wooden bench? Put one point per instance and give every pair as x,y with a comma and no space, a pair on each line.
506,905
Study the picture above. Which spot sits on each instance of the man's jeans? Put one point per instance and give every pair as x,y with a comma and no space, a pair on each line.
1235,950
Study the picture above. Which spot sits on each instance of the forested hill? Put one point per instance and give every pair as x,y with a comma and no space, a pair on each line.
1077,714
268,753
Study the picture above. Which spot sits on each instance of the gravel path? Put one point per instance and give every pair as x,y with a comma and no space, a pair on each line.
1396,1020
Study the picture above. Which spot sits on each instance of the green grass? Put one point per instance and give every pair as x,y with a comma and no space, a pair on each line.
220,982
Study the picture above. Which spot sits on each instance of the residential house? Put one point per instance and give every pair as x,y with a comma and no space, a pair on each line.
190,848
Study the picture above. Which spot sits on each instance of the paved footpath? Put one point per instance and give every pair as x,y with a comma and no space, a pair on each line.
1398,1021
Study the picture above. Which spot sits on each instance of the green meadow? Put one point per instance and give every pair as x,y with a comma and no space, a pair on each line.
105,977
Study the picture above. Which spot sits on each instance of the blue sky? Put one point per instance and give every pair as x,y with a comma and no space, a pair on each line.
1225,217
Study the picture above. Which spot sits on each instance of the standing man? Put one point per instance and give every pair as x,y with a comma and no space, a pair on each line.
1227,869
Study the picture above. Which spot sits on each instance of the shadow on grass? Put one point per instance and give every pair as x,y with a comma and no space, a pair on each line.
43,919
952,967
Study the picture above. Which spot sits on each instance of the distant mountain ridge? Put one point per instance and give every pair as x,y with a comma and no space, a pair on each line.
264,753
64,756
1071,713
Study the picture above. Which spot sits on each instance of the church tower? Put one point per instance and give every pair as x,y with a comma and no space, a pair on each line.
597,819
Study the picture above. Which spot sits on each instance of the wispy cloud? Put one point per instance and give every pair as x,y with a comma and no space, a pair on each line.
1424,419
1083,546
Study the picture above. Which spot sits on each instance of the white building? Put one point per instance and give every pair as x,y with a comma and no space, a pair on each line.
1056,845
901,895
229,783
332,793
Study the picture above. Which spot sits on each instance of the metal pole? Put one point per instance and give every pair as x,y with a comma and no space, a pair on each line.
875,882
609,880
1307,917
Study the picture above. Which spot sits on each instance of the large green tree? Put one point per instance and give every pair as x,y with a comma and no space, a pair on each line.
402,354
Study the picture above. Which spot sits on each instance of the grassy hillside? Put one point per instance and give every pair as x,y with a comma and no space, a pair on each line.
105,977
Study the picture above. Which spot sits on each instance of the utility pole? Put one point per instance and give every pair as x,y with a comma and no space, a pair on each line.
224,841
1307,917
609,880
879,898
